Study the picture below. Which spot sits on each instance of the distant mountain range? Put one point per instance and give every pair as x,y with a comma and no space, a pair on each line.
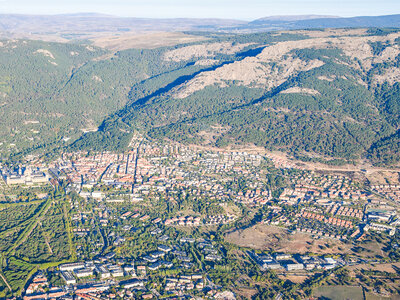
89,25
316,22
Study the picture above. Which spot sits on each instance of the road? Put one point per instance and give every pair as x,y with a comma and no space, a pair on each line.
136,162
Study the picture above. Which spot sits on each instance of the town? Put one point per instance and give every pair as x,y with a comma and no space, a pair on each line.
157,221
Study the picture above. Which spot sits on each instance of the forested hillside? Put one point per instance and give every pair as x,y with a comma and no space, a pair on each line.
51,93
326,95
319,95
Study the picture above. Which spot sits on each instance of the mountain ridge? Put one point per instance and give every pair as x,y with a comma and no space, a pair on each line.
84,26
330,95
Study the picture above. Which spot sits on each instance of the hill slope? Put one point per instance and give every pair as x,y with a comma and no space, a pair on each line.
324,95
312,94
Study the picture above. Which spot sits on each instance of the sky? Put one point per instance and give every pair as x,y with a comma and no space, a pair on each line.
227,9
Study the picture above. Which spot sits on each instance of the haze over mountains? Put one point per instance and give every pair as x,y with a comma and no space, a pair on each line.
91,25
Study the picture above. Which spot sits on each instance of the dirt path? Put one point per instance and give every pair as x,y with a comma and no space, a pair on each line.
5,281
46,239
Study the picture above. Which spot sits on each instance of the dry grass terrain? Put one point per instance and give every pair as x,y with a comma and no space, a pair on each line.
294,278
150,40
384,177
378,267
265,237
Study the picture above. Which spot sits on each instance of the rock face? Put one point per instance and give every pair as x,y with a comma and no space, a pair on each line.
203,51
276,63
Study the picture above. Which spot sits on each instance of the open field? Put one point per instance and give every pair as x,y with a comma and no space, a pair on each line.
339,292
151,40
378,267
265,237
294,278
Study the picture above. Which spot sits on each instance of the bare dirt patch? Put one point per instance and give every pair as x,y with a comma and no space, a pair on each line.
391,76
390,268
257,71
45,53
269,238
299,90
383,177
245,293
294,278
203,50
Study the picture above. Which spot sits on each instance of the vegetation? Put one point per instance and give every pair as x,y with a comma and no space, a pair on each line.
73,88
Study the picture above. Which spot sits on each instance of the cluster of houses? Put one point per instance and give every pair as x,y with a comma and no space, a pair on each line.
219,219
391,191
183,221
39,288
345,211
184,283
154,167
323,219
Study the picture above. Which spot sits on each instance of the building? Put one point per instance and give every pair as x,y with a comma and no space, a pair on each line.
68,277
72,266
28,176
155,266
282,256
294,266
163,248
271,266
133,283
83,273
380,227
103,272
116,271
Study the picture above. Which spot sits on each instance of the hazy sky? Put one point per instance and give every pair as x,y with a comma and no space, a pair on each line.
237,9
